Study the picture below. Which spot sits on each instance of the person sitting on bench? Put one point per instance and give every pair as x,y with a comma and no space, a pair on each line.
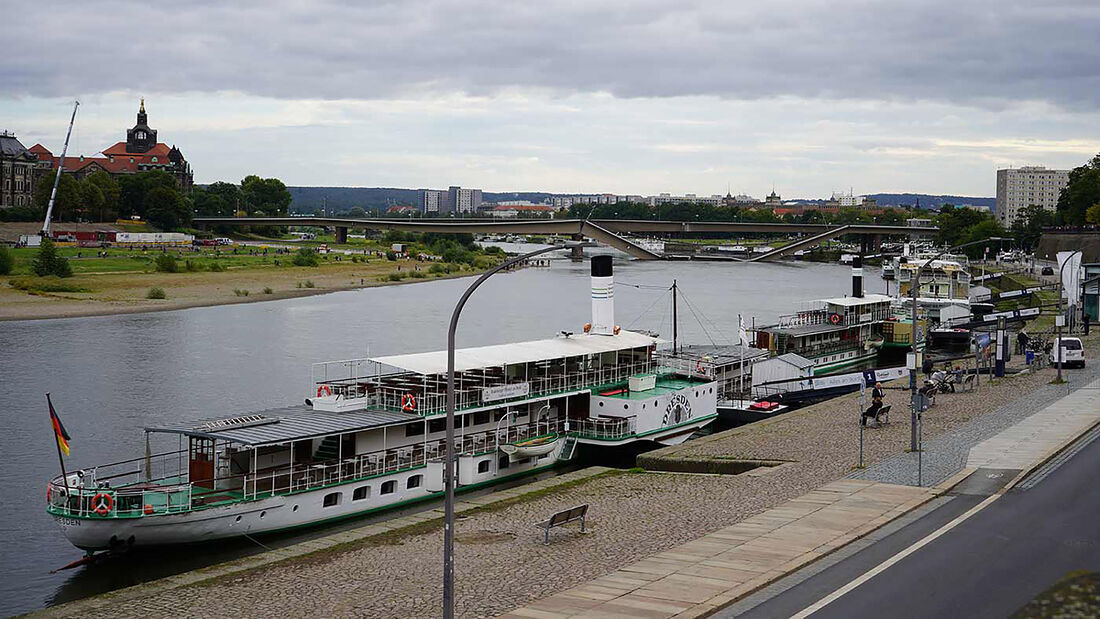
872,411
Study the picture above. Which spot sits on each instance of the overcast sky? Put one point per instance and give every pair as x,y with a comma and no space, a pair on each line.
808,96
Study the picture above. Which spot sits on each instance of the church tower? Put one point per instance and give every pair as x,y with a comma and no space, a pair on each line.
141,138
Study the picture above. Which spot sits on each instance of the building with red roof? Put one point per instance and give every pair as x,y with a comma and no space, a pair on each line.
139,153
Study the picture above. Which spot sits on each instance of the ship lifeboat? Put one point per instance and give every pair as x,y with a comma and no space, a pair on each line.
531,448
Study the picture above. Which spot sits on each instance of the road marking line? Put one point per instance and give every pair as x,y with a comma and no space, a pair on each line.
885,565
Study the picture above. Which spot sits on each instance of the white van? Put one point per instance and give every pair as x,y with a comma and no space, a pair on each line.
1073,353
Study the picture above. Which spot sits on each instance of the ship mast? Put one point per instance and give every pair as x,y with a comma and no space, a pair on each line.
57,177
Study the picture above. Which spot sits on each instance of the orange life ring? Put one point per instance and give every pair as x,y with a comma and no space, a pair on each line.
103,503
408,402
587,327
148,509
834,318
325,389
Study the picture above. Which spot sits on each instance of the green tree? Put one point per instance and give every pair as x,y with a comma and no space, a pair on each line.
218,199
1092,215
91,201
1081,193
1029,223
68,196
955,223
356,211
111,194
165,209
7,260
135,188
266,195
47,262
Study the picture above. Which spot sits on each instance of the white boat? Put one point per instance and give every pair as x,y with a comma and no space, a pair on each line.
371,436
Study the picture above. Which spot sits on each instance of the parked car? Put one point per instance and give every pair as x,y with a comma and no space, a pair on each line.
1073,352
1048,270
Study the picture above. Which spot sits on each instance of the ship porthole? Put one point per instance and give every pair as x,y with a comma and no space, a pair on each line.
295,508
262,514
238,519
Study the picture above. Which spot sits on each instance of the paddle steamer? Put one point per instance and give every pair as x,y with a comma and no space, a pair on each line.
370,436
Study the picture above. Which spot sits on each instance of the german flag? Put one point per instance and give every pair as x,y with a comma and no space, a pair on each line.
58,428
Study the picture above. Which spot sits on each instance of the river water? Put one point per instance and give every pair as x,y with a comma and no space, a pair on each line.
110,376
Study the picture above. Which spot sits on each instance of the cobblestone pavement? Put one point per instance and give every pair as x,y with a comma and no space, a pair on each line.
501,562
945,454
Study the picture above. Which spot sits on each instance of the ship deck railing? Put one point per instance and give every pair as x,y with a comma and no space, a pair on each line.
133,494
426,395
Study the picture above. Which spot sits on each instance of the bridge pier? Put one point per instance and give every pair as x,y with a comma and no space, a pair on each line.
576,253
341,235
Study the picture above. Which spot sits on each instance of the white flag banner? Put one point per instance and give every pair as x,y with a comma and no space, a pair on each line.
742,333
1069,265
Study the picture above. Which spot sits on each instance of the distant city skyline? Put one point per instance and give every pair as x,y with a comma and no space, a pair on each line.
683,98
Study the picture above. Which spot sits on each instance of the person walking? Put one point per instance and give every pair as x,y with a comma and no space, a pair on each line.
1021,342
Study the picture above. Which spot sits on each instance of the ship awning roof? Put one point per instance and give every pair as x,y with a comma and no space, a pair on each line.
281,425
803,330
853,301
520,352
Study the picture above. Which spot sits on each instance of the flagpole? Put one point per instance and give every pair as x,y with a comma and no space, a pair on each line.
60,459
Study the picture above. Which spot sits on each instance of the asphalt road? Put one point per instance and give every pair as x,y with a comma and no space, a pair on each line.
988,566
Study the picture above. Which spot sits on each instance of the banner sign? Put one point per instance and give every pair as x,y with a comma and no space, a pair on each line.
504,392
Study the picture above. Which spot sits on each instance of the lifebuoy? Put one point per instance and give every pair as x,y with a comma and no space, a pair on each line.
587,327
102,503
408,402
834,318
324,389
148,509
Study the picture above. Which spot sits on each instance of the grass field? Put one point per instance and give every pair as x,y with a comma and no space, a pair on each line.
121,280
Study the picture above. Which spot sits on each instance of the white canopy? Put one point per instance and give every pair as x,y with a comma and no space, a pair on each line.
435,362
854,301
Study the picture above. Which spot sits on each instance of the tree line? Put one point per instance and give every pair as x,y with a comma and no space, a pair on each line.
153,196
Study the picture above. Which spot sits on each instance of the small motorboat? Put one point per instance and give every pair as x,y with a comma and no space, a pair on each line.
748,411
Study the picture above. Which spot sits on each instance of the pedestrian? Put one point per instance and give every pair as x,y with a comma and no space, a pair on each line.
1021,342
877,397
927,366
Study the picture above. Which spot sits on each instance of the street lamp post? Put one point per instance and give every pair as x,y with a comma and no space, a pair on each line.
1061,312
914,288
449,466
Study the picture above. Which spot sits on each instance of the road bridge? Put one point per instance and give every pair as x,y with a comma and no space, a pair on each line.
607,231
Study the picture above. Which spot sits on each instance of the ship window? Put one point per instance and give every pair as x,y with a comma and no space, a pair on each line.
437,425
414,429
503,463
483,466
389,487
480,418
414,481
362,492
601,403
332,499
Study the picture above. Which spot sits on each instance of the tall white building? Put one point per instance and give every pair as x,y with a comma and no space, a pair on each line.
1018,188
461,200
431,200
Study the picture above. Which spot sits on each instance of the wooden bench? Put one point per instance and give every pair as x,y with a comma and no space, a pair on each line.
968,382
561,518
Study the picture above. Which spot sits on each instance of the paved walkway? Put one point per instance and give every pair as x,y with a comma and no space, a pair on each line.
1035,437
696,578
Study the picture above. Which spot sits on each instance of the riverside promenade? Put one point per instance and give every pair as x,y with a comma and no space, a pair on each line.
652,519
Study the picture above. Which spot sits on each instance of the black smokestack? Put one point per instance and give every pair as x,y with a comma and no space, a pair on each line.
857,276
601,266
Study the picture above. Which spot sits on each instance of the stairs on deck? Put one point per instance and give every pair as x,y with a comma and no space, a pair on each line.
568,448
329,449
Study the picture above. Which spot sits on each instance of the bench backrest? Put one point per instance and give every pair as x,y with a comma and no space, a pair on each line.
884,409
568,514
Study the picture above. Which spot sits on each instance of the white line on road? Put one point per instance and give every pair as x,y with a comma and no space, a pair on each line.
885,565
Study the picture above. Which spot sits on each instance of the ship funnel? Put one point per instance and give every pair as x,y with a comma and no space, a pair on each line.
857,276
603,296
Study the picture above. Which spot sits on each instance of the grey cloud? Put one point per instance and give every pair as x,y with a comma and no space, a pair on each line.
980,52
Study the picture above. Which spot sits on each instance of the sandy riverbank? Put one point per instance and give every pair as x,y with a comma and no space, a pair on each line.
125,293
501,560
